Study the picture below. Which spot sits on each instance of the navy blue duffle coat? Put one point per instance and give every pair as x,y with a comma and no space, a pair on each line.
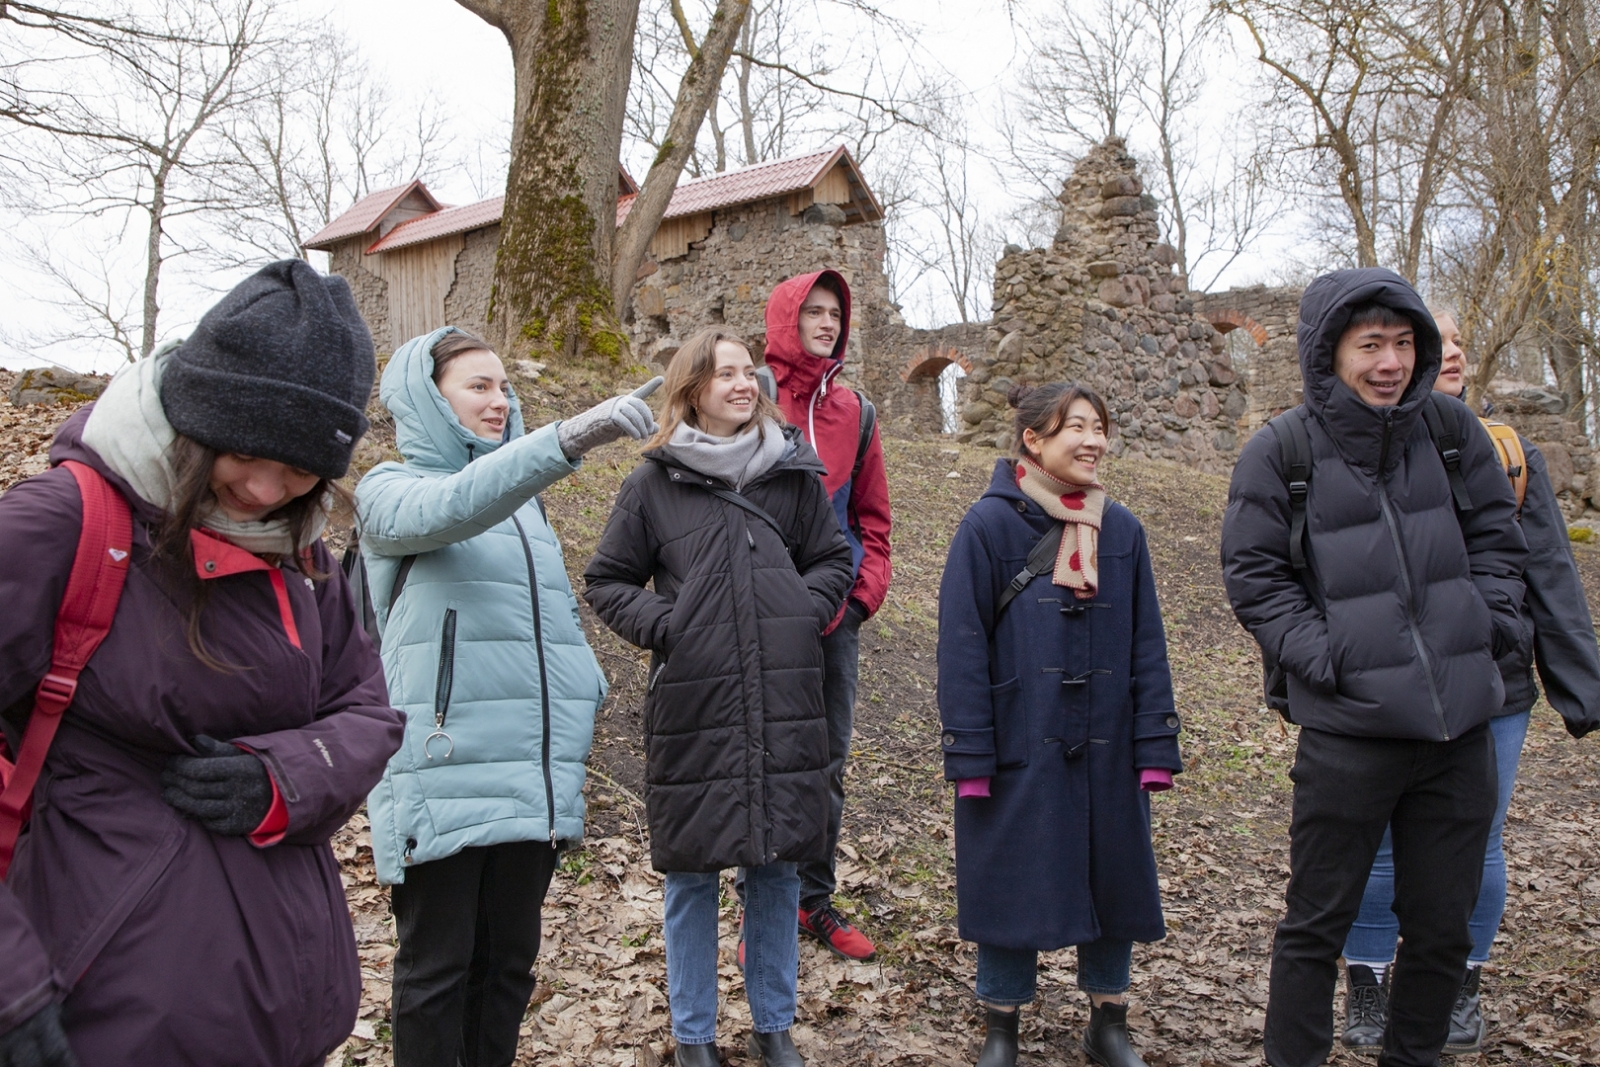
1061,704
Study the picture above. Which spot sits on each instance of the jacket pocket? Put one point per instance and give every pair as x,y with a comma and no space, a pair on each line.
1010,724
445,682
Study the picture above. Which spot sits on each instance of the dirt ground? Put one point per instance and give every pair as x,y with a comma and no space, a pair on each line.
1221,840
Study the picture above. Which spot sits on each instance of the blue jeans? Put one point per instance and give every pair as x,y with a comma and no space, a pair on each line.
1373,937
1007,977
771,957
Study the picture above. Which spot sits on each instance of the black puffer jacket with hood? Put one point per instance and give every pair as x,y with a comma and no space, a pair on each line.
736,745
1393,628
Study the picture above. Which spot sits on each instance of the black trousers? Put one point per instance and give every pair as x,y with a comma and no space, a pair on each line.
1439,797
469,933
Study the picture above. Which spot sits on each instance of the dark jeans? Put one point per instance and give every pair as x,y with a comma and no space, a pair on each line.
1438,799
841,669
1008,977
469,933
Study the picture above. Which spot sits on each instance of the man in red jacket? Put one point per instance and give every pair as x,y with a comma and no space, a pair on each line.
808,326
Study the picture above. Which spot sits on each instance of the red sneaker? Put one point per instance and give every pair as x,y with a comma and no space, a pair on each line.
826,925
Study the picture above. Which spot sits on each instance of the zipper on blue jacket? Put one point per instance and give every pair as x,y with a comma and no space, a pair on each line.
447,669
544,686
1405,576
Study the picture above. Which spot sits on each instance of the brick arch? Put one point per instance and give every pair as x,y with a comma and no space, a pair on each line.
1226,320
928,362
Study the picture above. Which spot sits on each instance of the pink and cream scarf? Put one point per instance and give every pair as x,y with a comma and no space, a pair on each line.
1080,507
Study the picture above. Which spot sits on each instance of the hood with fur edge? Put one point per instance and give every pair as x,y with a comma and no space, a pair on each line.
794,368
1358,429
426,430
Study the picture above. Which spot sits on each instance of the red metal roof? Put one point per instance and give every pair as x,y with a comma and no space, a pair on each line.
758,182
366,214
441,224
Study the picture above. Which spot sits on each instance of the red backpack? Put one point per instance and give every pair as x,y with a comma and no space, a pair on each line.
87,607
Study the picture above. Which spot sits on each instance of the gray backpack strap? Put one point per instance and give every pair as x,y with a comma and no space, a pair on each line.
1294,447
1040,560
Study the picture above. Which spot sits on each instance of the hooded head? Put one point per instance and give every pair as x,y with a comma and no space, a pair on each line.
797,325
1327,310
426,430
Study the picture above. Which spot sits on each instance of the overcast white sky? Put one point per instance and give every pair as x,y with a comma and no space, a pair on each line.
436,48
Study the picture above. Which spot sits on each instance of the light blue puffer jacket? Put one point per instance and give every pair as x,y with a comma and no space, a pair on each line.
479,653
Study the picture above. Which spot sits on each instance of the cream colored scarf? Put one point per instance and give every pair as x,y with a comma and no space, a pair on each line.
129,431
1080,507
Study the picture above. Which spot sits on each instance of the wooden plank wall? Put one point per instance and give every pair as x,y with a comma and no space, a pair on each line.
674,236
418,277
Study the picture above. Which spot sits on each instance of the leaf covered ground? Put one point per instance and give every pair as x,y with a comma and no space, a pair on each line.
1221,840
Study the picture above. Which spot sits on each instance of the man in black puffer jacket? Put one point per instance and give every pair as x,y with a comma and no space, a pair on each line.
1387,642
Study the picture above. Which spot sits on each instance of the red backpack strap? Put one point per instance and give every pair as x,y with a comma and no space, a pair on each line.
87,607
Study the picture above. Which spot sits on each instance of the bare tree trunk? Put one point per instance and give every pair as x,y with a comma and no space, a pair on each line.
699,87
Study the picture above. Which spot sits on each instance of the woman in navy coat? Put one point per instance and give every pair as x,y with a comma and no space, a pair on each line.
1058,720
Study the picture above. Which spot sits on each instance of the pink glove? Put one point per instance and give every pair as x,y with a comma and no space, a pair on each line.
972,787
1155,779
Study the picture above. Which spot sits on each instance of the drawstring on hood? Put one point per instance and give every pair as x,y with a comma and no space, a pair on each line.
426,430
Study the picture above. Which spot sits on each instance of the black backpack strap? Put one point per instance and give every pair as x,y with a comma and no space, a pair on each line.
355,571
1294,448
1040,560
741,501
1447,440
869,422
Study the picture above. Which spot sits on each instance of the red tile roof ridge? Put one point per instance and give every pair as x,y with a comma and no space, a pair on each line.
366,213
443,223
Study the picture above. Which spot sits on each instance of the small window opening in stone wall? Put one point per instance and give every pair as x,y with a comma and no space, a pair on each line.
949,396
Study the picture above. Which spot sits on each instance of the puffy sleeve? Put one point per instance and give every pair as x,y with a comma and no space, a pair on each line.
615,579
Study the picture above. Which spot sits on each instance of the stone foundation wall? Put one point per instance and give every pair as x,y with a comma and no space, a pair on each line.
1105,305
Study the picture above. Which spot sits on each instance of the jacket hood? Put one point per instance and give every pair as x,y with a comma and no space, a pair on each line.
426,431
1357,427
795,368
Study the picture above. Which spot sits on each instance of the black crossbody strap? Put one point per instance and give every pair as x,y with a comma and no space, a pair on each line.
1040,560
753,508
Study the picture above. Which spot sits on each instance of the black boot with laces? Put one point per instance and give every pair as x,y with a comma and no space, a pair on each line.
1366,1010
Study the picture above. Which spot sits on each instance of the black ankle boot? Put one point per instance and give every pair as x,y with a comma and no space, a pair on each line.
697,1056
1000,1047
1106,1040
774,1050
1466,1019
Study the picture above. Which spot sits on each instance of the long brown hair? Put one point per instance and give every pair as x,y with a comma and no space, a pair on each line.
692,368
191,499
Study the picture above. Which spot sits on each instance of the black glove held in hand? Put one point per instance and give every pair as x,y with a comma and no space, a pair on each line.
38,1042
225,789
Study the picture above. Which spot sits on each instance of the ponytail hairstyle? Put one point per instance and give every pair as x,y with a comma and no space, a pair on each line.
192,498
1043,409
690,371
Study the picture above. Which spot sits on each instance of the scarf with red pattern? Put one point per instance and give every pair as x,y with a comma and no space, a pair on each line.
1080,507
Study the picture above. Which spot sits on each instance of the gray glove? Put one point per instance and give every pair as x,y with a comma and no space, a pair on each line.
621,416
37,1041
225,789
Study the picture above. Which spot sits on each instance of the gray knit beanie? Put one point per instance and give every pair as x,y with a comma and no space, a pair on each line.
281,368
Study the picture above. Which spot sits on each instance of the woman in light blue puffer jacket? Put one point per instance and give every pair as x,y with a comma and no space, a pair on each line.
484,653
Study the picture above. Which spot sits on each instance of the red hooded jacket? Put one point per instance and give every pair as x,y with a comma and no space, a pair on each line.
830,417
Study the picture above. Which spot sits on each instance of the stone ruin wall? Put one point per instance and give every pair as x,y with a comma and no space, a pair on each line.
1105,305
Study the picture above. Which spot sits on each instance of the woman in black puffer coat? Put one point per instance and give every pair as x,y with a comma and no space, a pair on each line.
728,517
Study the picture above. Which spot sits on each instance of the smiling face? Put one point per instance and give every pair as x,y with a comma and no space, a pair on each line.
729,398
249,489
1376,362
1072,454
475,386
821,319
1453,371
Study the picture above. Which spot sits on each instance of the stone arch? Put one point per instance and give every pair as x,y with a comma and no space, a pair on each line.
1226,320
926,363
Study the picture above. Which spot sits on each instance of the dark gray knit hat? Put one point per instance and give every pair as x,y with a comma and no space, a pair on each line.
281,368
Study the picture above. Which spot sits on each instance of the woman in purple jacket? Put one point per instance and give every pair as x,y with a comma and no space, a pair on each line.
174,899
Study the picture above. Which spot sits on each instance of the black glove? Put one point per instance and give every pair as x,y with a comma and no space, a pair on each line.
225,789
38,1042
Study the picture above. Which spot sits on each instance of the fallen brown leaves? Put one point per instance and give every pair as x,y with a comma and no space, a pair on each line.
1220,836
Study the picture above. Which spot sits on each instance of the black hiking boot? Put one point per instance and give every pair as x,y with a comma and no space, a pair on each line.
1106,1041
1366,1010
1466,1019
1000,1047
697,1056
774,1050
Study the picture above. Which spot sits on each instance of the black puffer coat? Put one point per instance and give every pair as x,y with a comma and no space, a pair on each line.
1394,628
736,746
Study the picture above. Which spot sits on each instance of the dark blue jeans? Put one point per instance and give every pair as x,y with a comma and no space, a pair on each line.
1008,977
841,670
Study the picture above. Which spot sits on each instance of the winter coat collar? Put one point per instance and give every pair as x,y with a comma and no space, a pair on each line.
794,368
1358,429
426,432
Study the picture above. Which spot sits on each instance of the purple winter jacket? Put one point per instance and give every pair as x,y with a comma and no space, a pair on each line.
165,943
